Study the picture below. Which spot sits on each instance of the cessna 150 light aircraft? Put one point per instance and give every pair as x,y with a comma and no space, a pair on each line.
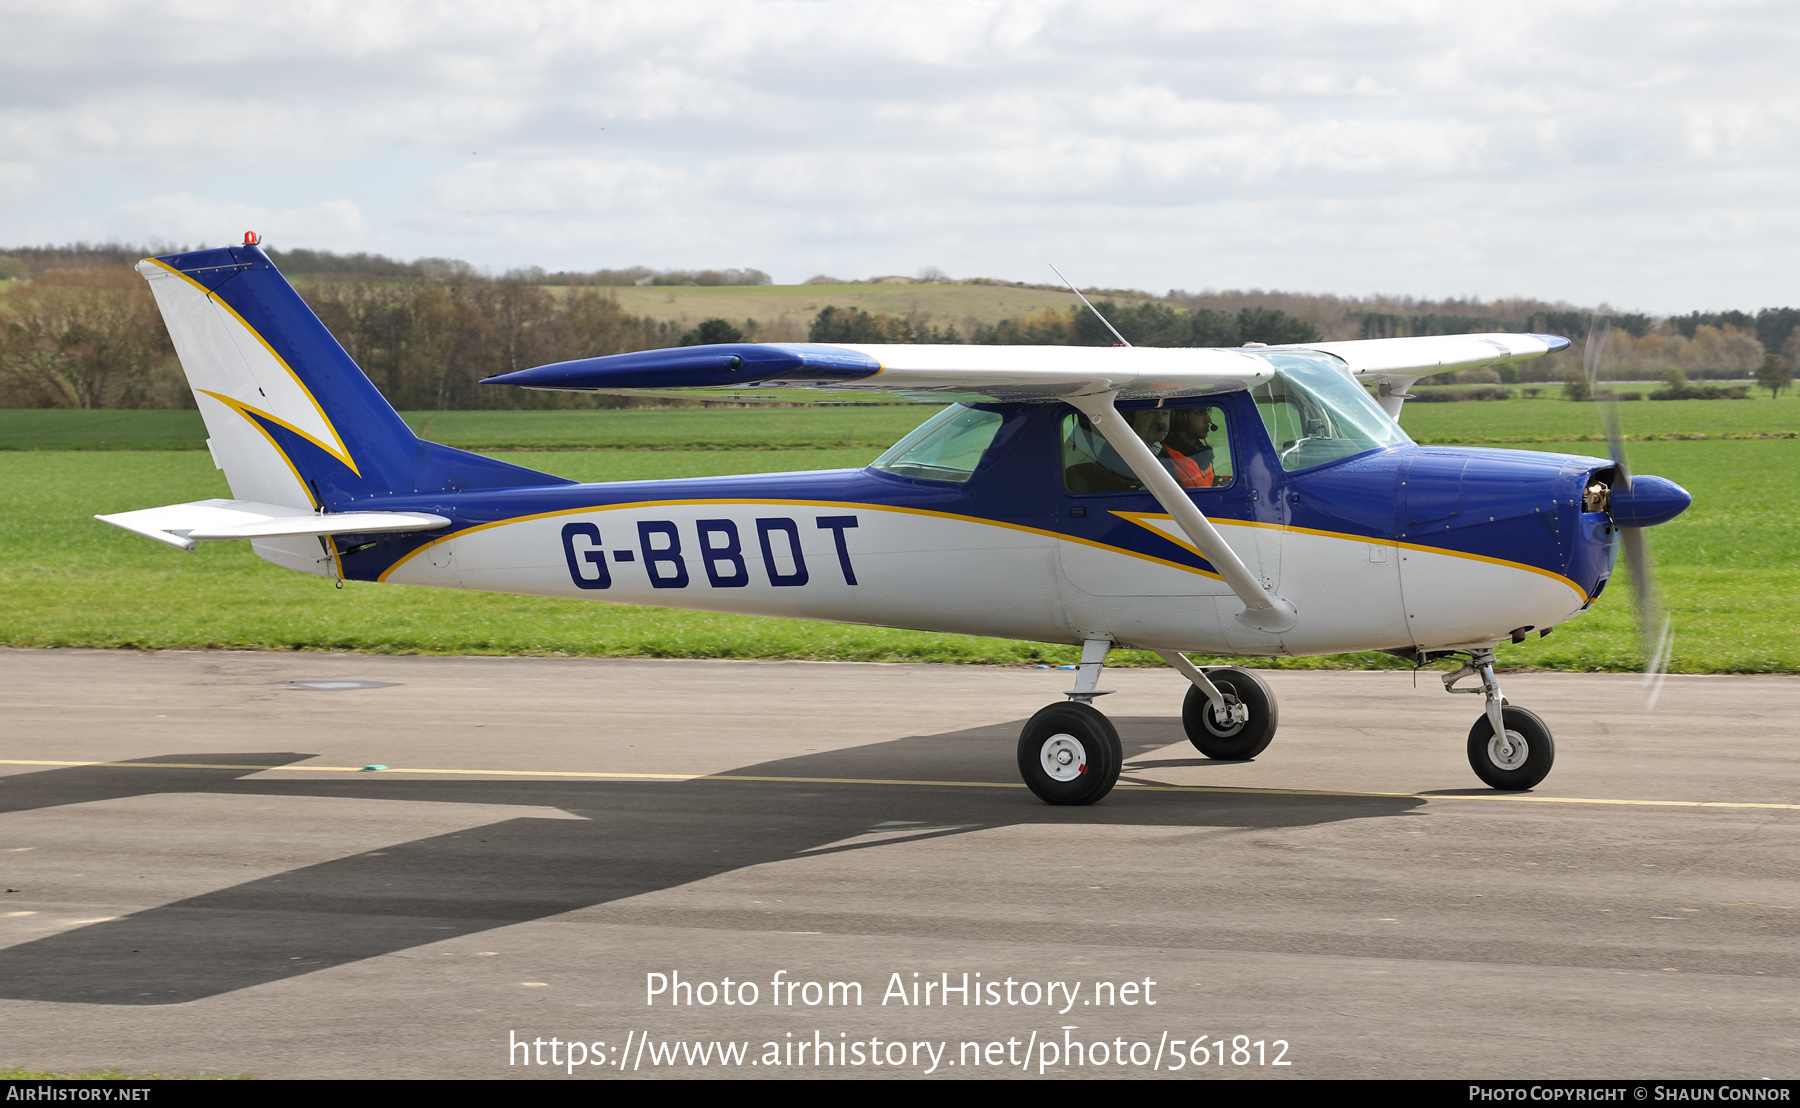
1250,501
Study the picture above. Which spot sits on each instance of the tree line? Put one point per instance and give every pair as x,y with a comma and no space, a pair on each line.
79,329
1143,324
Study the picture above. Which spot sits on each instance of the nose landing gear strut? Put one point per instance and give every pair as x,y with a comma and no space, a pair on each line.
1510,748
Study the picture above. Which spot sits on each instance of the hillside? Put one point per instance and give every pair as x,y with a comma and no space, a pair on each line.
967,306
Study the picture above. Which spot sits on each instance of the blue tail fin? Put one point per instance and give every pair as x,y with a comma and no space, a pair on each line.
290,417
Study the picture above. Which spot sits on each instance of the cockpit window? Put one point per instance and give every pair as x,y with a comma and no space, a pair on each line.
946,447
1190,442
1316,414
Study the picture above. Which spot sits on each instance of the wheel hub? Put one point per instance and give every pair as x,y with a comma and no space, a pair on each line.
1063,757
1508,751
1232,722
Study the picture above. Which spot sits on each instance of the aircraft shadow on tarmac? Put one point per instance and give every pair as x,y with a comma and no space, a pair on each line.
632,838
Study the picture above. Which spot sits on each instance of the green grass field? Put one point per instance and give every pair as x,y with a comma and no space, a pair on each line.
878,425
74,429
1727,565
875,425
1556,420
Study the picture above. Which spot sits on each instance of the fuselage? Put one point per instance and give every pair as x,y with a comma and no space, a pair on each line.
1394,548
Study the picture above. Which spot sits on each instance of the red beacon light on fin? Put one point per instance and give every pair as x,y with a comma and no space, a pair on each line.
251,238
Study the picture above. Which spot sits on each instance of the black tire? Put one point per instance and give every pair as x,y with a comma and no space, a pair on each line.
1512,774
1070,754
1235,742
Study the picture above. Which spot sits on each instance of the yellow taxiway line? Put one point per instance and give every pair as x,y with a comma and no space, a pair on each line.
1227,790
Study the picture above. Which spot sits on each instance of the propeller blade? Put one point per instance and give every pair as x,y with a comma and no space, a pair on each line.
1654,627
1655,631
1658,666
1637,556
1592,359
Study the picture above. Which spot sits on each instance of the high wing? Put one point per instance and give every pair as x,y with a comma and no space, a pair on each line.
764,371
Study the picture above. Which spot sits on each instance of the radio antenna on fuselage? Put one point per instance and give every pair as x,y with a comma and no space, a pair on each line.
1091,307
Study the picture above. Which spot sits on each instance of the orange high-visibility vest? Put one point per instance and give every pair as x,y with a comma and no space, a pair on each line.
1188,473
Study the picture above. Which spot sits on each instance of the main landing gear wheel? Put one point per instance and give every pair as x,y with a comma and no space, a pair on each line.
1231,740
1070,754
1519,759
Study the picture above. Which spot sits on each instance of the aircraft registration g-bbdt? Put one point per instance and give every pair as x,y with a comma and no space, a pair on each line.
1257,501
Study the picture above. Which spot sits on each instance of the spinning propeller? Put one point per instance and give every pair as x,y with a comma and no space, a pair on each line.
1654,628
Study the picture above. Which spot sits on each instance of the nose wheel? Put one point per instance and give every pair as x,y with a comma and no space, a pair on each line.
1510,748
1070,754
1517,759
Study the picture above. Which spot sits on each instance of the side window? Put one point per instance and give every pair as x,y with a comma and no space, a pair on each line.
1192,443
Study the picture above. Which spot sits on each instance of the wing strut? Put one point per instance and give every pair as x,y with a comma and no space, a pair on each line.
1262,610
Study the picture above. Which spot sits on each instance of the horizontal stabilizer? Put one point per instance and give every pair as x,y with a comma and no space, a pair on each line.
184,525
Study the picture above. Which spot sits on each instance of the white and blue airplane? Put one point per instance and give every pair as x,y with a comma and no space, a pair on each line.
1257,501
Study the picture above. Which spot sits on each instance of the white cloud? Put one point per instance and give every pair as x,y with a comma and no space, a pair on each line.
19,180
183,218
1408,145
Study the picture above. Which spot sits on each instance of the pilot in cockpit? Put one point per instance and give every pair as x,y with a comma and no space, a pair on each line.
1177,437
1185,450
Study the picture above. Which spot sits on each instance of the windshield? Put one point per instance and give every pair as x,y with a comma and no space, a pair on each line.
946,447
1316,414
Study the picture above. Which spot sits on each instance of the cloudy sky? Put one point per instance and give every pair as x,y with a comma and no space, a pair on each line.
1643,154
